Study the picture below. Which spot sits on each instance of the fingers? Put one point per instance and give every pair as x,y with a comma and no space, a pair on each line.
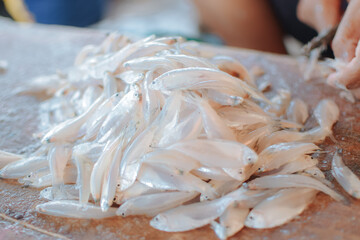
348,33
349,76
343,47
319,14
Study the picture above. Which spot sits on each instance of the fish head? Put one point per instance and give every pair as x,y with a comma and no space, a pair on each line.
237,173
140,76
28,178
155,84
255,220
125,209
46,139
50,136
117,198
134,93
250,157
122,213
236,100
115,97
159,222
137,96
47,193
315,172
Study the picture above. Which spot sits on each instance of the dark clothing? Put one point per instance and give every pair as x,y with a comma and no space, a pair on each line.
285,11
3,11
78,13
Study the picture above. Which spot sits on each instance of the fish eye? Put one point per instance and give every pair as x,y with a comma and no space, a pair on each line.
153,82
249,159
156,219
117,94
29,175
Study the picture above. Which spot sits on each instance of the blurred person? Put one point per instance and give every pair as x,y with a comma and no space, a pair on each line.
80,13
261,24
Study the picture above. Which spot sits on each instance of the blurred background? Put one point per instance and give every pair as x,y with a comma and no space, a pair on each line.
199,20
137,18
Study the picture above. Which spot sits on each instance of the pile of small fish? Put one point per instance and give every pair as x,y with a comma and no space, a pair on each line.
157,127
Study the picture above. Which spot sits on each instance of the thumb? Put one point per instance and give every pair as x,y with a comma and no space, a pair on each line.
344,48
319,14
348,76
348,33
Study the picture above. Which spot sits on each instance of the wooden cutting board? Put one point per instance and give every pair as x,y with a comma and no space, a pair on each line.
33,50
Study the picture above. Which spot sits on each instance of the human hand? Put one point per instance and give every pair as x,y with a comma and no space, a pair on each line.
348,33
319,14
324,14
347,48
349,75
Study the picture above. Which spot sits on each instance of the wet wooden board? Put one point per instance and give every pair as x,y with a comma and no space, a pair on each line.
37,50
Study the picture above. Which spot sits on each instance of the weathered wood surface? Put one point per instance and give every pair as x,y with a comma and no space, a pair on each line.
37,50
